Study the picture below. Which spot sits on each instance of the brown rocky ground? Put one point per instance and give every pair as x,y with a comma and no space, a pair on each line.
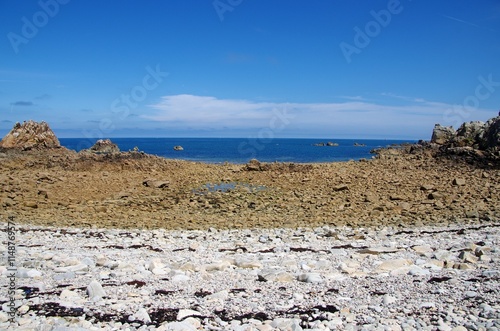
131,190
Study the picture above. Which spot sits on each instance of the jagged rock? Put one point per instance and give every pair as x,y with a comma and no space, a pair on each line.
331,144
104,146
458,182
469,133
490,137
253,165
30,135
442,134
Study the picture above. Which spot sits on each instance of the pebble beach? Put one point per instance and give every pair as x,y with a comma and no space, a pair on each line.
326,278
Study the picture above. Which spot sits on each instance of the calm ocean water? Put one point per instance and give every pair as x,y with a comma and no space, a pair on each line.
241,150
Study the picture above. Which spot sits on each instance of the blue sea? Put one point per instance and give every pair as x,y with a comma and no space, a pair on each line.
241,150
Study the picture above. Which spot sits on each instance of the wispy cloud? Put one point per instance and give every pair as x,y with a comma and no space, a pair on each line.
239,58
347,97
44,96
356,117
468,23
402,97
23,103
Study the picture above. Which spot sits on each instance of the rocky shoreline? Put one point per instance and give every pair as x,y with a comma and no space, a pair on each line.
124,240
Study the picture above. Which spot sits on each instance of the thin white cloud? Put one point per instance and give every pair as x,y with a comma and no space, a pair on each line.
468,23
402,97
415,116
348,97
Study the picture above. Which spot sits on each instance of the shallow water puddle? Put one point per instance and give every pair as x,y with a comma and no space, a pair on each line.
228,187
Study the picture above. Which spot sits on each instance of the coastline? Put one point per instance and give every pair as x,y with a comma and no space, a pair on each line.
127,240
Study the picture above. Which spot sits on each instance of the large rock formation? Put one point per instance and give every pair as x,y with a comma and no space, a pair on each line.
30,135
474,142
104,146
491,134
442,134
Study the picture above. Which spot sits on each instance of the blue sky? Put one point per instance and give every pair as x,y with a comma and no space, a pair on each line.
240,68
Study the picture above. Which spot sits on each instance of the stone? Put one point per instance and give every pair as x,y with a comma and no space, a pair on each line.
286,324
441,135
183,313
340,187
217,266
31,204
470,294
221,295
427,305
69,295
427,187
390,265
471,214
178,148
388,300
180,326
248,264
253,165
435,196
28,273
142,315
180,278
275,276
377,250
458,182
30,135
310,277
156,183
422,249
468,257
417,271
95,290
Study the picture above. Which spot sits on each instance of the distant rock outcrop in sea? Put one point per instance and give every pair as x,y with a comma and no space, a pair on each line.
103,146
30,135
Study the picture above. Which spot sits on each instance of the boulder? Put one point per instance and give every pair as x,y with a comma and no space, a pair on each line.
442,135
490,138
104,146
469,133
30,135
253,165
178,148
